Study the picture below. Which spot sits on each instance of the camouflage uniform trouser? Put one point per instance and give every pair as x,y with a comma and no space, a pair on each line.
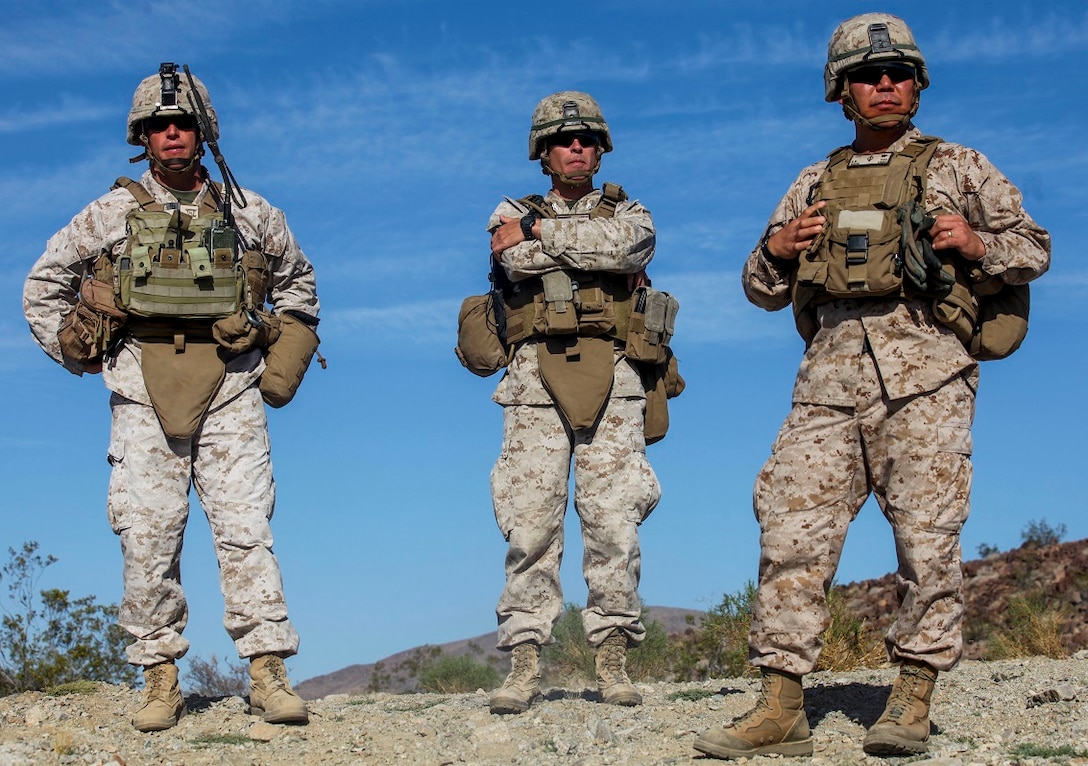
227,461
914,455
615,489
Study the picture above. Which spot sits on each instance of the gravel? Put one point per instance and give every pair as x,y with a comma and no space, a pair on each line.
1029,711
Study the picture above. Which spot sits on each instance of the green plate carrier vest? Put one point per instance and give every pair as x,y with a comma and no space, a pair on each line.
176,266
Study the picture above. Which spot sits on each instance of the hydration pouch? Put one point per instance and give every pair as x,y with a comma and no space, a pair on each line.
651,326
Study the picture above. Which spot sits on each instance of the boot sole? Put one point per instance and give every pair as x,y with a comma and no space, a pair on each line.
509,706
803,747
885,744
298,718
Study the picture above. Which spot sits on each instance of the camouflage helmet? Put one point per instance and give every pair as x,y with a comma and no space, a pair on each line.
563,112
164,93
869,38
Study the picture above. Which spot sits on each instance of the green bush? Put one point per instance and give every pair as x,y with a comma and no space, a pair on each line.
718,646
47,638
457,675
570,658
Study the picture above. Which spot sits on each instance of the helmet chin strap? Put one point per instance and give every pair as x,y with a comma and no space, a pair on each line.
571,179
885,122
176,167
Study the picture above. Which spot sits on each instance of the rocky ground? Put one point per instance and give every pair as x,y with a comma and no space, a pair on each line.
1013,712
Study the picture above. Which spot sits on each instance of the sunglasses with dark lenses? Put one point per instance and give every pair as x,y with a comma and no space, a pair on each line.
874,73
162,122
566,139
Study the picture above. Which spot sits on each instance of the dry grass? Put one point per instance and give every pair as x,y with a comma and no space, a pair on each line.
1033,629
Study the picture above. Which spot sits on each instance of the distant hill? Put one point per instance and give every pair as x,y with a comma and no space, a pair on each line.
355,679
1059,572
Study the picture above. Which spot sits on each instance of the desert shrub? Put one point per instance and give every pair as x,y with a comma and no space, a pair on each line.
208,679
1038,534
986,549
849,642
570,658
458,674
718,646
48,638
1032,628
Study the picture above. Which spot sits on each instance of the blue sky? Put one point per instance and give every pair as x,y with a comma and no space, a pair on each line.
388,132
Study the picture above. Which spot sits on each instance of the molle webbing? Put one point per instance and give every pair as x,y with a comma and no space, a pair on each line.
570,302
176,265
858,253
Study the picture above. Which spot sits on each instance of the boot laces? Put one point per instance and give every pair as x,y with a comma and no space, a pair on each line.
613,658
277,673
759,708
156,682
903,693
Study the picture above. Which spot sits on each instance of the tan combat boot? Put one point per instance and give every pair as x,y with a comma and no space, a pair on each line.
270,693
163,704
612,681
522,686
776,725
903,728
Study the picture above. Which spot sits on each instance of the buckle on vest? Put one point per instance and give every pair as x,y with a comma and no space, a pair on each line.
857,249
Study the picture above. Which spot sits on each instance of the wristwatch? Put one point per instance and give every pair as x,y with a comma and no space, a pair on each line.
527,222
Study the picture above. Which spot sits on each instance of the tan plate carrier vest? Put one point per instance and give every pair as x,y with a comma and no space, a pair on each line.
858,253
581,317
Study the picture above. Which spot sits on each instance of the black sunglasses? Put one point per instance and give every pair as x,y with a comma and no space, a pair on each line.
566,139
162,122
871,74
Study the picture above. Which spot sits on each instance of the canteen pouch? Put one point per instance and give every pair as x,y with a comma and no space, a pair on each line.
287,360
480,347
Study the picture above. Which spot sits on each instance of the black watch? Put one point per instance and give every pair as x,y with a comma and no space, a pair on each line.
527,222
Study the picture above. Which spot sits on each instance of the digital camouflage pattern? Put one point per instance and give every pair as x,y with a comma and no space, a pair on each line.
883,403
227,459
615,487
227,462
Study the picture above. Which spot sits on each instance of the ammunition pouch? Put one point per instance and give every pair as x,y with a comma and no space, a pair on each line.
651,325
91,327
582,303
287,360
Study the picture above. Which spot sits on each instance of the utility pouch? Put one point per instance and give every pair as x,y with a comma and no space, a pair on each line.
480,345
91,327
651,326
662,382
244,330
287,360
